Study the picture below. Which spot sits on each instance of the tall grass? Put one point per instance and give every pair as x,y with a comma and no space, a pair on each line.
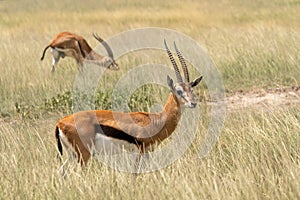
256,157
254,44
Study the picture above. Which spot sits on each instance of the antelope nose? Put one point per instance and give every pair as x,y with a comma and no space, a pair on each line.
193,105
115,66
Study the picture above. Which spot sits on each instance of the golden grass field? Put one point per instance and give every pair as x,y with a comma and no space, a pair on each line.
254,44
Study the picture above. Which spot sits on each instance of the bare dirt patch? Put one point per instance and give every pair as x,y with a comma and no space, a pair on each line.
259,99
264,99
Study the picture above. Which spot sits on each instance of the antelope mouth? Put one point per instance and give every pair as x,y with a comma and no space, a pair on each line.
191,105
114,66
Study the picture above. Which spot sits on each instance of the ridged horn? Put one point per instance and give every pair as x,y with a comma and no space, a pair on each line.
177,72
106,46
183,64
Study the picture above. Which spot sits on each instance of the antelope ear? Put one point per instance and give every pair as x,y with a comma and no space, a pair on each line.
170,83
196,81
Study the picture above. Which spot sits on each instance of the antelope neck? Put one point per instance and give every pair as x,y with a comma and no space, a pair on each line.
172,110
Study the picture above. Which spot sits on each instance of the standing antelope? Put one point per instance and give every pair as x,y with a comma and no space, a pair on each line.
75,46
87,131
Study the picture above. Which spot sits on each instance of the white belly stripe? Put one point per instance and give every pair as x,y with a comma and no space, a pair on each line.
108,145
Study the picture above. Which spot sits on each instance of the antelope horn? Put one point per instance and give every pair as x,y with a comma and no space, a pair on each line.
106,46
183,64
177,72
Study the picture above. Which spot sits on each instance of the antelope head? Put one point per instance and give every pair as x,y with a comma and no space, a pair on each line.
109,60
183,89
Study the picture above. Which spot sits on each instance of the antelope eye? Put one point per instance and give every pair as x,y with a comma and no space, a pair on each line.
179,92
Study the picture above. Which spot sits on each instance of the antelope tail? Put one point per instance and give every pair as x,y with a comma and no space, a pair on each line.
42,58
59,146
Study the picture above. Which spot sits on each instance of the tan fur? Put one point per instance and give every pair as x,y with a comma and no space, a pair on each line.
142,129
75,46
83,139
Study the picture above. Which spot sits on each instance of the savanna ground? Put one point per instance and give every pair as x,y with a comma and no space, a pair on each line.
256,47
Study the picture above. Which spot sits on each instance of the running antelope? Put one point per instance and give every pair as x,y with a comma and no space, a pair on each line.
85,132
75,46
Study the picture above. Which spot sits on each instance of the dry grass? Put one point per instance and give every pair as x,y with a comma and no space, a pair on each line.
255,44
256,158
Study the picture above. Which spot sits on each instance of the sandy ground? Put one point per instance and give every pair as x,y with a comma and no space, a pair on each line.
260,99
264,99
